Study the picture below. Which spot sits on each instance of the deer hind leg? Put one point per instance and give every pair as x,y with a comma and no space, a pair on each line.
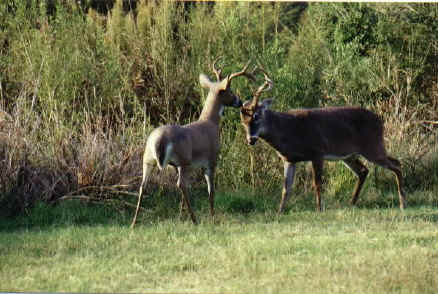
289,172
182,206
317,181
209,177
395,166
361,171
182,203
147,170
183,185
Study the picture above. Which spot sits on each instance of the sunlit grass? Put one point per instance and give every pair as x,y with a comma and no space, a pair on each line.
345,250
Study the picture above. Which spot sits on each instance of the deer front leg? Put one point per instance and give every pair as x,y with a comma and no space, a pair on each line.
209,177
182,185
317,181
289,173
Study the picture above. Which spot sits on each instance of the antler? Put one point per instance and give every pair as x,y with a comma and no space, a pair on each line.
243,72
216,71
268,83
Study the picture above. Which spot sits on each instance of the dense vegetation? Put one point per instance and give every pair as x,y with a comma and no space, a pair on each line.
83,82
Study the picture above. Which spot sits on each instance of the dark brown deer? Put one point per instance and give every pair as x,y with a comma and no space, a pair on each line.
192,145
333,133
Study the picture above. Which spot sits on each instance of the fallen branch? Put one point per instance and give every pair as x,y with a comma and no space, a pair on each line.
96,200
111,189
432,122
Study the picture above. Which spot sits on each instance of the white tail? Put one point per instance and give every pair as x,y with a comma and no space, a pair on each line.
192,145
335,133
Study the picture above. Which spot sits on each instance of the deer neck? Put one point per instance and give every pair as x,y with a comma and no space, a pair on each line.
270,124
274,132
212,109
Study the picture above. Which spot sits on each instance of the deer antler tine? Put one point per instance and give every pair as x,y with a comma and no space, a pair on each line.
251,75
267,85
242,72
246,65
216,71
268,81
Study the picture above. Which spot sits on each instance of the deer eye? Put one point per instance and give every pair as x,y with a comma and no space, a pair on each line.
256,116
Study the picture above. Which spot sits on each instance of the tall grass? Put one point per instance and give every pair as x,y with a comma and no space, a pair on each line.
82,86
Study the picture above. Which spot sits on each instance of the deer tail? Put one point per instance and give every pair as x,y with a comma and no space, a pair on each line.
163,148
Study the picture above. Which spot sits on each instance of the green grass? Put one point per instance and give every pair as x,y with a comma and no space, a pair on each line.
84,248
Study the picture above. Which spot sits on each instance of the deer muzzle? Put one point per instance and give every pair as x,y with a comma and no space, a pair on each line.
251,140
237,102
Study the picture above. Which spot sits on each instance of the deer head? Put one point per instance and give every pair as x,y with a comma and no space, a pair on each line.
221,88
252,112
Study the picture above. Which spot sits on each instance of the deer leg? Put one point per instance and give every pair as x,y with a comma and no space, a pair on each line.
361,171
182,185
399,177
289,172
181,202
395,166
147,170
181,207
209,177
317,181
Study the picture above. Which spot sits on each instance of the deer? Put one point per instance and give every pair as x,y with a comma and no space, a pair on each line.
316,135
195,145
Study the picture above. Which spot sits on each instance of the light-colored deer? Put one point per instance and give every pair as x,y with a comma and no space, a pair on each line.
334,133
192,145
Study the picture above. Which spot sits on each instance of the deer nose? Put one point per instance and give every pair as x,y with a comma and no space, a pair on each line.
252,140
237,103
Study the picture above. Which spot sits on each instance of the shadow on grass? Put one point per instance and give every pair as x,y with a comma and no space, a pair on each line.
160,205
45,216
163,205
426,217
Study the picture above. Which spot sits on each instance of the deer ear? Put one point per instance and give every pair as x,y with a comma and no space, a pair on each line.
246,103
266,103
204,81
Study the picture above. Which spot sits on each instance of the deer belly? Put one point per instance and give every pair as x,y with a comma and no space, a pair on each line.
333,157
200,163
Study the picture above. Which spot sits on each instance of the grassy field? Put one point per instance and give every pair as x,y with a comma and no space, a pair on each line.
246,249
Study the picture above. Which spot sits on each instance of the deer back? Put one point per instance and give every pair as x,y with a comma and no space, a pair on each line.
301,135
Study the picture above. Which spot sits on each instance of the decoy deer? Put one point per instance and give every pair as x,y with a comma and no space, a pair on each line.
195,144
332,133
